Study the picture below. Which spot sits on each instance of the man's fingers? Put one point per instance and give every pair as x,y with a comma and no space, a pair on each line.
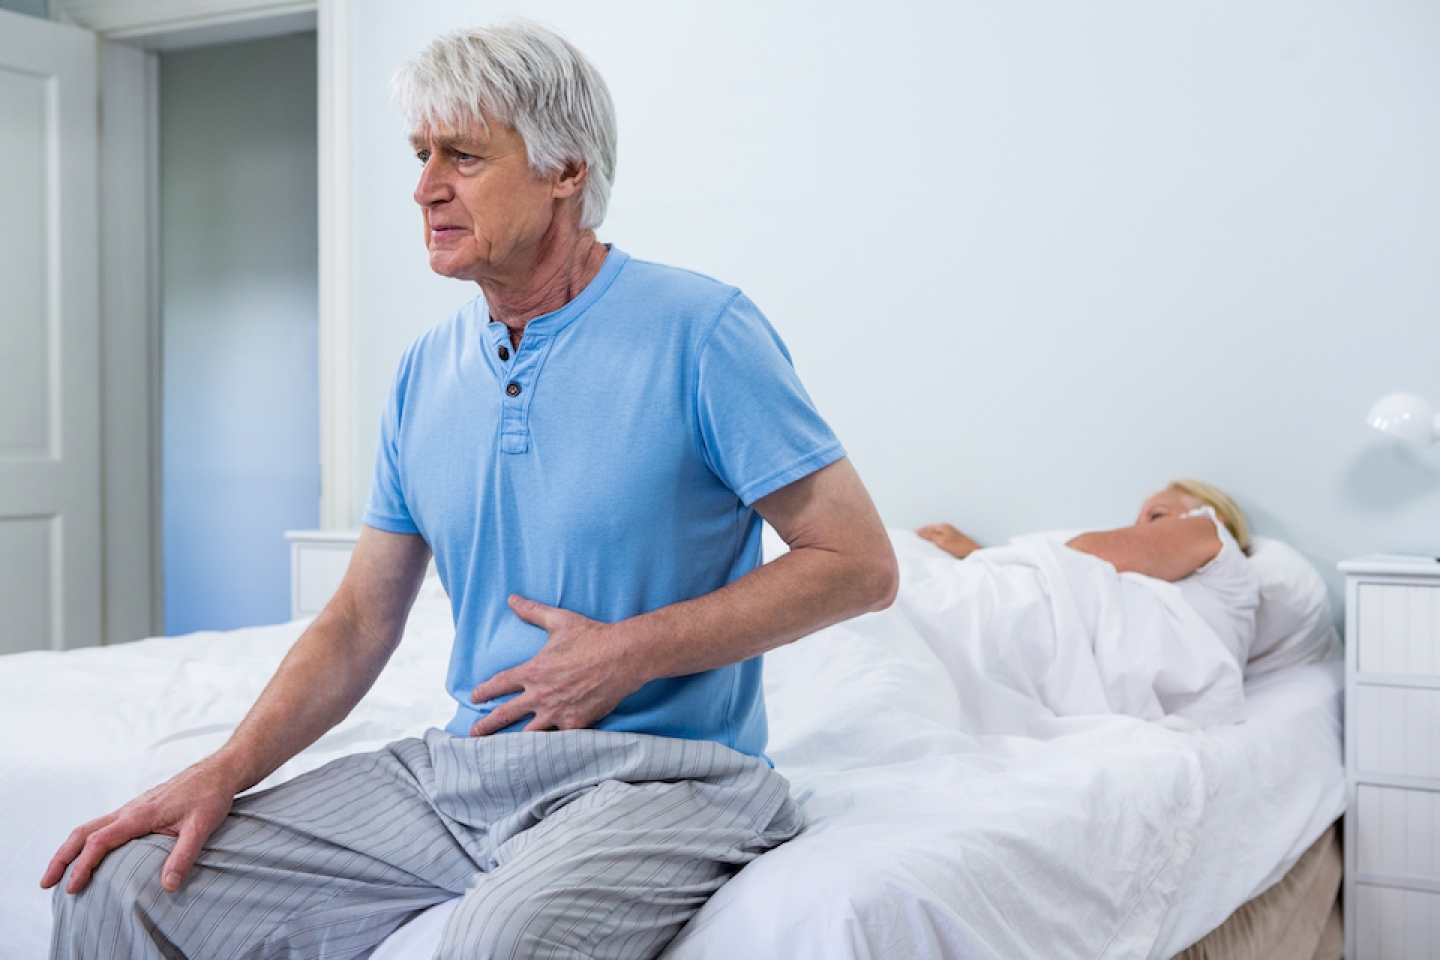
70,849
53,872
187,850
502,683
56,869
501,717
532,611
96,846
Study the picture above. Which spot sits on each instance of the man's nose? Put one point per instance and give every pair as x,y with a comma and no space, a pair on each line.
434,186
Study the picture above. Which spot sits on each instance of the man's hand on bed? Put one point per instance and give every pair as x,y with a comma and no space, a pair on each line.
949,539
190,806
576,679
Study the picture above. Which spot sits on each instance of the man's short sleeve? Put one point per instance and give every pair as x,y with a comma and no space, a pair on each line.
758,428
386,509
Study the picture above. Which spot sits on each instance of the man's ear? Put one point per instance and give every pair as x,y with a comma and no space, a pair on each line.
571,179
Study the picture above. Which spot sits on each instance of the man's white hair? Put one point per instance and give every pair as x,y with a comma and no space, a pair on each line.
530,79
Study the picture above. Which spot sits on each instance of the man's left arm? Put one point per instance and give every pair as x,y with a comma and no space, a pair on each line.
840,565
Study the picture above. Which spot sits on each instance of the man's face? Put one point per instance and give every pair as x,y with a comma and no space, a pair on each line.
485,211
1168,504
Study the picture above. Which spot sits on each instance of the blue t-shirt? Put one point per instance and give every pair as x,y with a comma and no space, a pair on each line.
607,466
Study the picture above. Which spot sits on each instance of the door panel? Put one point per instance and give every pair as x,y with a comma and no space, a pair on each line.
50,537
26,333
27,594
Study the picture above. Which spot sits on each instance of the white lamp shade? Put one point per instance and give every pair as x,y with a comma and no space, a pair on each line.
1406,416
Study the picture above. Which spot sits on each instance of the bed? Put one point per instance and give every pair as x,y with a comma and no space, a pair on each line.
1102,836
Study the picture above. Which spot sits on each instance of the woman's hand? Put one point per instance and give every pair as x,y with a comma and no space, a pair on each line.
949,539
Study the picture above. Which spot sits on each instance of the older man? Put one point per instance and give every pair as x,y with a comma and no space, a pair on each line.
587,449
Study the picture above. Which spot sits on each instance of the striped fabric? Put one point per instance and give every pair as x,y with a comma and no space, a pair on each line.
581,843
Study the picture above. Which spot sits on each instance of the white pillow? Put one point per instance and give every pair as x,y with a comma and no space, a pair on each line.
1293,622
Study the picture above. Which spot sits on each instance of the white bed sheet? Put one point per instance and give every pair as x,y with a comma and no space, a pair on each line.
1279,781
923,841
84,731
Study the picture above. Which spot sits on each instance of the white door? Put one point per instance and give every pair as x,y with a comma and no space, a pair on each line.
50,595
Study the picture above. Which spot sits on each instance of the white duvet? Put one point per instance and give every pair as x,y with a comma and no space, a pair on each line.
925,839
1037,630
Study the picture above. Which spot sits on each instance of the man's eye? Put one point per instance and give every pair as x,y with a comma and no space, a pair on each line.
423,156
465,156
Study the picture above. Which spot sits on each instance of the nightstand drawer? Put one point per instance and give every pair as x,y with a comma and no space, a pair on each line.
1396,924
1397,731
1399,832
1398,626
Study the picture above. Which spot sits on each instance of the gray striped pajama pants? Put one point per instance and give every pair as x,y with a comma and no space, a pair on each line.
581,843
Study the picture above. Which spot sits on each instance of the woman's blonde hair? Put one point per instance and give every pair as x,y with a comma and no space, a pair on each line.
1225,508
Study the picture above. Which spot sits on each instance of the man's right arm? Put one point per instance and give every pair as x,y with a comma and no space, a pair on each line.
327,671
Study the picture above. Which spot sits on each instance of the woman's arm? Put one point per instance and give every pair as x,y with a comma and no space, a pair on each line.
1165,549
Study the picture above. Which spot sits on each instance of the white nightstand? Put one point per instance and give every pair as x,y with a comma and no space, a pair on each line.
1392,758
318,561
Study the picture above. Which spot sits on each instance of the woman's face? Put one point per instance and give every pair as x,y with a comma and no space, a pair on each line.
1168,504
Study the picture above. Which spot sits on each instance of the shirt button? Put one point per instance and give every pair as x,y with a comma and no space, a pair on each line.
504,353
512,389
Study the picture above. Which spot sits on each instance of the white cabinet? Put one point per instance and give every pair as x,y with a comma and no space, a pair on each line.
1392,758
318,561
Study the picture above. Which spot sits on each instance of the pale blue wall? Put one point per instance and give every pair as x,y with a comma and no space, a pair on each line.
35,8
239,267
1033,258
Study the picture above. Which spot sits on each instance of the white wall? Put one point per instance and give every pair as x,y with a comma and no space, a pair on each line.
1033,259
130,348
239,312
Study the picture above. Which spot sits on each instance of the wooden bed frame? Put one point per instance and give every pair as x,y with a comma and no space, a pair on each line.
1296,919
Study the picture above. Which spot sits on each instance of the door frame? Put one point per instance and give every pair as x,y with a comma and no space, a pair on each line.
132,33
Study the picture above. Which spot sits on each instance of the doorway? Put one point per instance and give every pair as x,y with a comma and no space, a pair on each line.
239,325
81,453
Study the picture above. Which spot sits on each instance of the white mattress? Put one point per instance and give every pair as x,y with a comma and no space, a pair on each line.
1113,837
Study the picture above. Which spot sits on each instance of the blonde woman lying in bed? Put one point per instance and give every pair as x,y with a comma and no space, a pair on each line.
1190,534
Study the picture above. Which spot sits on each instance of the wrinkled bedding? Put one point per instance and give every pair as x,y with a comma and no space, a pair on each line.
926,840
1082,838
1037,630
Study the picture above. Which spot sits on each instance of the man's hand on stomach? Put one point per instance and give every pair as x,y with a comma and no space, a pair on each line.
577,678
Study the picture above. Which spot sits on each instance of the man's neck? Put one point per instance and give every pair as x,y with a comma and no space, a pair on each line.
559,275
